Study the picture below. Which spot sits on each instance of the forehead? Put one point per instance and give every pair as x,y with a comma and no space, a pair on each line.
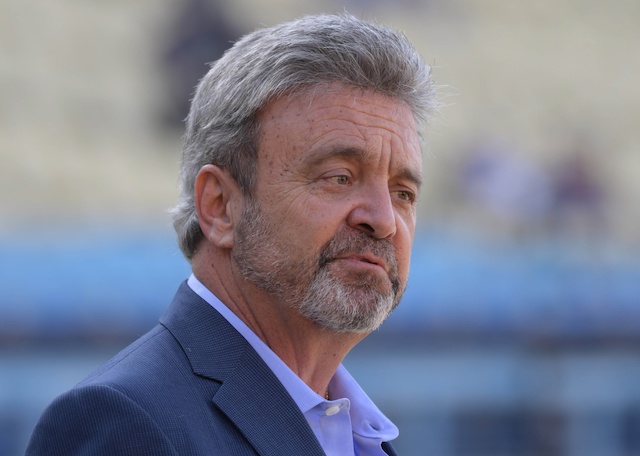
339,117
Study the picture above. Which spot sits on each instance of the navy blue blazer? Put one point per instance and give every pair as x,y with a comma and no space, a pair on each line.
191,386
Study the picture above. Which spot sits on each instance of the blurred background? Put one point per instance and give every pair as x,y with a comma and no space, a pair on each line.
519,333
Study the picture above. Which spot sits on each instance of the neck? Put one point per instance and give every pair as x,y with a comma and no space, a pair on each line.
312,352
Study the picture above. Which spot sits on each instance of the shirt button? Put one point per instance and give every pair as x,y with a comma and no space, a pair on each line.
332,410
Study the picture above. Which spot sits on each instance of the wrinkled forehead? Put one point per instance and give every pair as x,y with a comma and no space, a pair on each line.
335,111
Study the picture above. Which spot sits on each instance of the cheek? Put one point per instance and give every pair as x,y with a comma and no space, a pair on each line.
317,219
404,260
403,245
306,229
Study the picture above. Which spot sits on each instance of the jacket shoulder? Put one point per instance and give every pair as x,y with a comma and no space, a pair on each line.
97,420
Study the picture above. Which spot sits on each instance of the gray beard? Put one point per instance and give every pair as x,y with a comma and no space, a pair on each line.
342,307
308,284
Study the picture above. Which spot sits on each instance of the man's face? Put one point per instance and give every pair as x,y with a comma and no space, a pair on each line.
330,228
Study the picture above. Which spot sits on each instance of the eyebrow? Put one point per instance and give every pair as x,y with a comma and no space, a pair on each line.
354,153
412,176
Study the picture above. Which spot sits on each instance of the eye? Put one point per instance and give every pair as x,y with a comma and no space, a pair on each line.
341,179
407,196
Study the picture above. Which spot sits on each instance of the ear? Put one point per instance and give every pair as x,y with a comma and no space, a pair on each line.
217,197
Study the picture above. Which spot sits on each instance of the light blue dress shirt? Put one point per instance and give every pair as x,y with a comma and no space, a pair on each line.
349,423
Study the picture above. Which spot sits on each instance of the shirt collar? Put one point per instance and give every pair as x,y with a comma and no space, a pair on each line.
367,420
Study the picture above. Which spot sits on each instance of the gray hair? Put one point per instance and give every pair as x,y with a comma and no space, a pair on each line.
304,54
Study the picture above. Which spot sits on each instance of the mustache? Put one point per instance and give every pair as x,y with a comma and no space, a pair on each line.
351,241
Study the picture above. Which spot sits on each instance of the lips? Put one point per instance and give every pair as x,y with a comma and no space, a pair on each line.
363,251
365,258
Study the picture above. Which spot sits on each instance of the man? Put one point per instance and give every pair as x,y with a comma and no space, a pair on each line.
300,172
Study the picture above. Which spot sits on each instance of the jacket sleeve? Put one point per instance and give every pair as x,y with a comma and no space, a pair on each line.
97,420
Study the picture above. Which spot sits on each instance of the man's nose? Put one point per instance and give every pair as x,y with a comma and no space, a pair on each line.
374,214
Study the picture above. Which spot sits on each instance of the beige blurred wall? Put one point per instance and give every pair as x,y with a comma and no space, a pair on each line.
81,86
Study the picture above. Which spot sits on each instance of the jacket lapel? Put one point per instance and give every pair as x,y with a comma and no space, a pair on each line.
250,395
266,415
388,448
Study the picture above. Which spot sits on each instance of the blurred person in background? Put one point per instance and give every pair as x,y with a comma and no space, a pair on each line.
201,33
580,199
300,172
